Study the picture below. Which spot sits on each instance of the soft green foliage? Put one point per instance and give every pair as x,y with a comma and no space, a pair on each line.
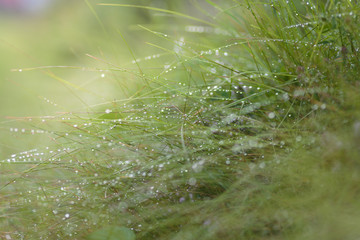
112,233
244,124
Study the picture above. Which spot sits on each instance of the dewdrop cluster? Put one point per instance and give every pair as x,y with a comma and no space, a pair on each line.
146,58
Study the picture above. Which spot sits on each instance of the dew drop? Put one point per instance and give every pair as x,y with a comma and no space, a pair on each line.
271,115
192,181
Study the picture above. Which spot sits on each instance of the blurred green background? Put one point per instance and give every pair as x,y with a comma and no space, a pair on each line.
63,36
56,60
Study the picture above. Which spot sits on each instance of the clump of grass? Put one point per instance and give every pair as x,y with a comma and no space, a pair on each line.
249,131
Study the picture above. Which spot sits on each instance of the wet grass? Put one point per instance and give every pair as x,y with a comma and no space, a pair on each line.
242,124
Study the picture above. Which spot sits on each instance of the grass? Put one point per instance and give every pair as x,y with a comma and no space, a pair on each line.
243,128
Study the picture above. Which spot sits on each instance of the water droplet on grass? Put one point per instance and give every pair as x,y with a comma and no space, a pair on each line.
271,115
192,181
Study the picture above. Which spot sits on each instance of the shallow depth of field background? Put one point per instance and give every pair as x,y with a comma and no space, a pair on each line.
45,67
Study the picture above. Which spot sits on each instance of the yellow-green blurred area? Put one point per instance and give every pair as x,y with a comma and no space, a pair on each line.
56,60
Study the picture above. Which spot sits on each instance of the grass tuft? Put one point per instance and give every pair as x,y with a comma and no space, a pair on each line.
246,128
